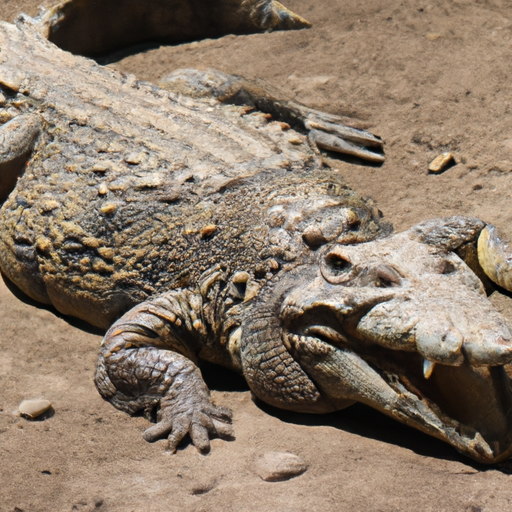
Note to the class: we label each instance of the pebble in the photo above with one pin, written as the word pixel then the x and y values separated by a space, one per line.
pixel 441 163
pixel 279 466
pixel 32 409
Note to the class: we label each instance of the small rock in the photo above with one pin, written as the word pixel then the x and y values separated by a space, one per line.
pixel 441 163
pixel 32 409
pixel 279 466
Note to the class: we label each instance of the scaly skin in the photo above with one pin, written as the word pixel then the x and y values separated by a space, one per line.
pixel 194 230
pixel 112 168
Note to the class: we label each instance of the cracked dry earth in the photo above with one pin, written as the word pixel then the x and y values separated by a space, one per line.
pixel 428 77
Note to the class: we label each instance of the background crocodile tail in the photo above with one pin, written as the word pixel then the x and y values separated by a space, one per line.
pixel 99 27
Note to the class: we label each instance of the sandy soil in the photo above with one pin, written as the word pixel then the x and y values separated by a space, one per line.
pixel 428 77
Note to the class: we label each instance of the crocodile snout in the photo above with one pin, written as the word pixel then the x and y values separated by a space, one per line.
pixel 404 295
pixel 440 343
pixel 406 327
pixel 493 349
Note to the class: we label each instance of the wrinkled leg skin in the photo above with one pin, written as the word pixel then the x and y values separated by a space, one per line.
pixel 144 365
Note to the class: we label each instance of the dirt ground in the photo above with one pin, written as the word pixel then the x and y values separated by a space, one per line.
pixel 428 77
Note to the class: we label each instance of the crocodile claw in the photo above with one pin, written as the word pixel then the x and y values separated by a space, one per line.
pixel 200 421
pixel 327 132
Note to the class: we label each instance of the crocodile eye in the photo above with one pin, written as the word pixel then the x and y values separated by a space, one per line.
pixel 338 264
pixel 354 226
pixel 336 267
pixel 385 283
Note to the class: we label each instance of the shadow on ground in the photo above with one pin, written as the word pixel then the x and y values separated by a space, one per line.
pixel 358 419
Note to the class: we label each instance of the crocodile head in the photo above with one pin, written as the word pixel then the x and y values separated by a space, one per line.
pixel 403 325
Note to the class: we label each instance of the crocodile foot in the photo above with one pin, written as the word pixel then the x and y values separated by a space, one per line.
pixel 325 131
pixel 328 132
pixel 198 417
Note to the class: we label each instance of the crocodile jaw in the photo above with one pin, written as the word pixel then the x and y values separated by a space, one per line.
pixel 366 335
pixel 470 407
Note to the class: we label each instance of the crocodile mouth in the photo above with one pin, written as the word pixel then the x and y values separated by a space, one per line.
pixel 406 328
pixel 469 406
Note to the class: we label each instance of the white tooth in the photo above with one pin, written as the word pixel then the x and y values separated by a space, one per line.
pixel 428 368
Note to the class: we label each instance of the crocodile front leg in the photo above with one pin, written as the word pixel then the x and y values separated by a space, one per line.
pixel 146 363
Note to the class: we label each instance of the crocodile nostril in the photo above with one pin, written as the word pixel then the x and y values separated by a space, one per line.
pixel 336 267
pixel 440 342
pixel 387 277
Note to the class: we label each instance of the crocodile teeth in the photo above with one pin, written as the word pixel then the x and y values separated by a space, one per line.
pixel 428 368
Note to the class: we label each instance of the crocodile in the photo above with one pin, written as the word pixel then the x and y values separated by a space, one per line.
pixel 196 221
